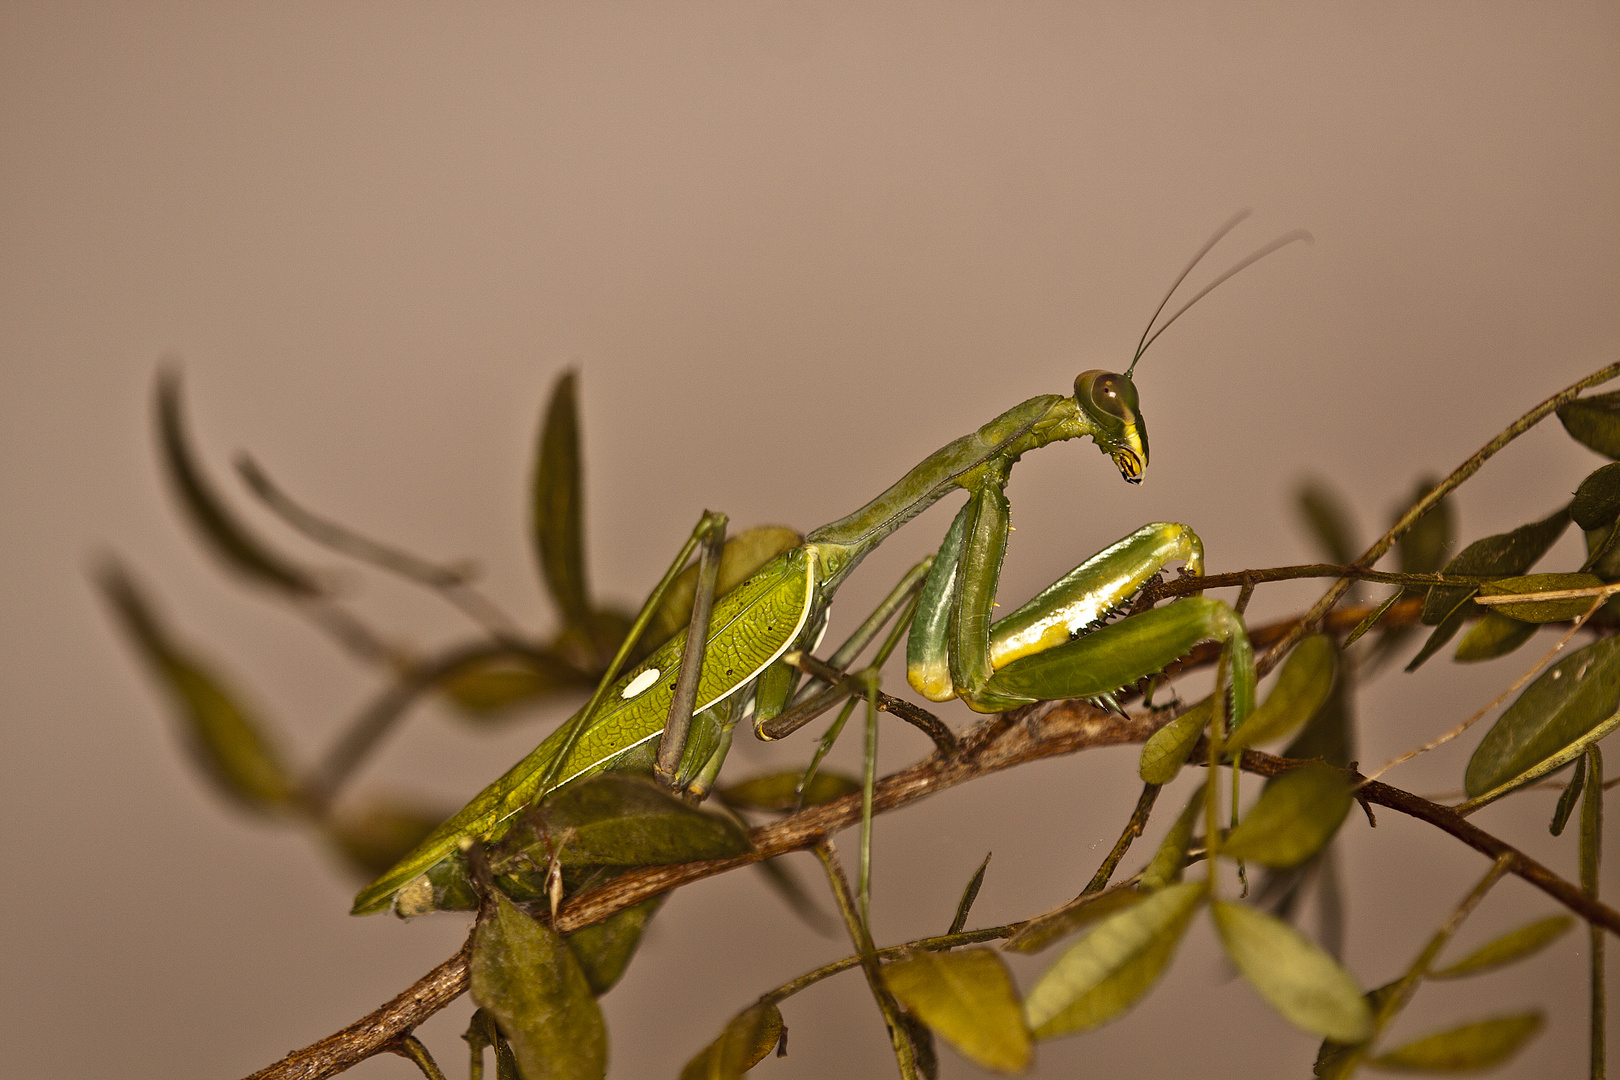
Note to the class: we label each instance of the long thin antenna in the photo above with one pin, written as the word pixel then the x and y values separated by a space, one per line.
pixel 1281 242
pixel 1220 233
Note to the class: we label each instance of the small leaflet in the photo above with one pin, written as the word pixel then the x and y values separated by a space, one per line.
pixel 1299 980
pixel 1296 815
pixel 1510 948
pixel 969 999
pixel 1479 1045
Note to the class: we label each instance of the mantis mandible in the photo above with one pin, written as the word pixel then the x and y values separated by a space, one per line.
pixel 733 649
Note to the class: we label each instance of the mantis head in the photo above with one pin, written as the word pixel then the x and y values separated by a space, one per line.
pixel 1108 400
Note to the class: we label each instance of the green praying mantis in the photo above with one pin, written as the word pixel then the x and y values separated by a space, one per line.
pixel 673 712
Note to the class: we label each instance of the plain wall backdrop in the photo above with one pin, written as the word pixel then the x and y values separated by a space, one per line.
pixel 791 249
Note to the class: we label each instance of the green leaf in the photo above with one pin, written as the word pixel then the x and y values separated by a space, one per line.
pixel 494 686
pixel 1543 611
pixel 1372 618
pixel 604 949
pixel 481 1033
pixel 559 505
pixel 1437 640
pixel 778 791
pixel 1082 911
pixel 1597 500
pixel 1503 555
pixel 751 1035
pixel 969 999
pixel 1479 1045
pixel 1166 750
pixel 1108 970
pixel 1328 519
pixel 228 744
pixel 1302 687
pixel 1327 736
pixel 1594 422
pixel 377 834
pixel 618 820
pixel 529 980
pixel 1171 858
pixel 1508 949
pixel 740 556
pixel 1494 635
pixel 1422 548
pixel 1299 980
pixel 1568 798
pixel 1297 813
pixel 969 894
pixel 237 548
pixel 1567 701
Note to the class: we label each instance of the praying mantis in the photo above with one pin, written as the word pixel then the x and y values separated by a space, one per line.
pixel 682 700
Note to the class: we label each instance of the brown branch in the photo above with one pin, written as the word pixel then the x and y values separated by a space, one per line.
pixel 1043 730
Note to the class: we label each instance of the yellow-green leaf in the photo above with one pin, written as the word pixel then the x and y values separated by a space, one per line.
pixel 558 510
pixel 1299 980
pixel 1509 948
pixel 1166 750
pixel 1108 970
pixel 1542 611
pixel 778 791
pixel 529 980
pixel 1479 1045
pixel 1168 861
pixel 1594 422
pixel 751 1035
pixel 1567 701
pixel 604 949
pixel 228 744
pixel 1296 814
pixel 497 684
pixel 1302 686
pixel 968 998
pixel 1494 635
pixel 1051 927
pixel 230 540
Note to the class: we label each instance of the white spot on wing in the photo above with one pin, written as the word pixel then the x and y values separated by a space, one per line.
pixel 640 683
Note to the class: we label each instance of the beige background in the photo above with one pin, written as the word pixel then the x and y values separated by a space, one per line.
pixel 792 249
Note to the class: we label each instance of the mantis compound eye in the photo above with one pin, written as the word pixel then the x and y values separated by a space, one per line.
pixel 1109 400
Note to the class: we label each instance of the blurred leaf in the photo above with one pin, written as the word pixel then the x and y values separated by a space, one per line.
pixel 1329 521
pixel 1507 949
pixel 482 1032
pixel 529 980
pixel 380 832
pixel 1302 687
pixel 1597 500
pixel 1298 979
pixel 559 505
pixel 1372 618
pixel 777 791
pixel 1602 553
pixel 1502 555
pixel 1542 611
pixel 1422 548
pixel 1437 639
pixel 742 554
pixel 1594 422
pixel 749 1036
pixel 1329 734
pixel 604 949
pixel 1568 700
pixel 778 873
pixel 1568 798
pixel 1473 1046
pixel 969 894
pixel 922 1045
pixel 226 742
pixel 235 546
pixel 1297 813
pixel 1494 635
pixel 968 998
pixel 1337 1060
pixel 497 684
pixel 618 820
pixel 1171 858
pixel 1044 930
pixel 1166 750
pixel 1109 969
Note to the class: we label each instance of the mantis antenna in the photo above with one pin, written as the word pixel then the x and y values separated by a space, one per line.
pixel 1281 242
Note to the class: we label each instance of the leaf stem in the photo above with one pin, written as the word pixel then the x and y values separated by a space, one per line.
pixel 1133 828
pixel 411 1047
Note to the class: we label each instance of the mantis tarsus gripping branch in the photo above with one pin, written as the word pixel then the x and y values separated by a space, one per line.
pixel 729 662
